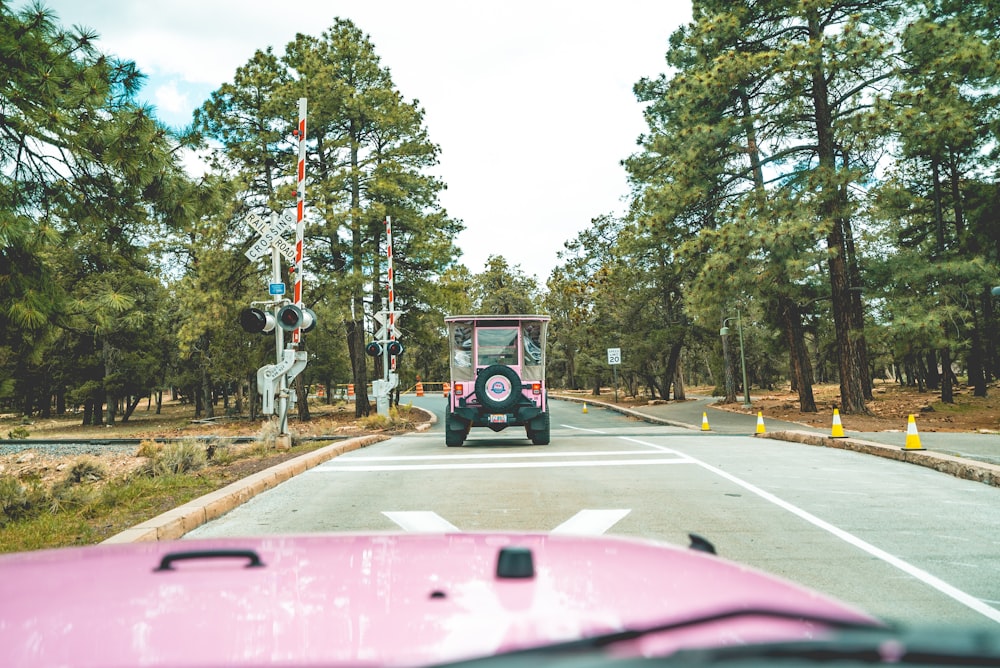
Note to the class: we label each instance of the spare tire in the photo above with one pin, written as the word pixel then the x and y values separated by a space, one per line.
pixel 498 387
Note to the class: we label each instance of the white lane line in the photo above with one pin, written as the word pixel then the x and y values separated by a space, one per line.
pixel 592 431
pixel 345 468
pixel 952 592
pixel 421 521
pixel 505 455
pixel 591 522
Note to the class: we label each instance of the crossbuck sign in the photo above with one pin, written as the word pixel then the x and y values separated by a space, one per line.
pixel 270 236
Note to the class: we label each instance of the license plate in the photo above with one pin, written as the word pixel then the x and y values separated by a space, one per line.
pixel 498 418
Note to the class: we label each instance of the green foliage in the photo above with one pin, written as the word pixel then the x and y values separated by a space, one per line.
pixel 502 290
pixel 810 164
pixel 372 162
pixel 89 176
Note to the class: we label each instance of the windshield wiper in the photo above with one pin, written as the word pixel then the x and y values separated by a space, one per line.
pixel 604 640
pixel 912 647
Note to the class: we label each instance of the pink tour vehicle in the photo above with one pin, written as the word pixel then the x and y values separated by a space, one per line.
pixel 497 375
pixel 395 599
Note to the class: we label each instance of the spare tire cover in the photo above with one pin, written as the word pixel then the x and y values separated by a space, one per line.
pixel 498 387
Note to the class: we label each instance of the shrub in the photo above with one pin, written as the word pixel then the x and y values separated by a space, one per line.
pixel 175 458
pixel 86 469
pixel 18 502
pixel 267 437
pixel 375 421
pixel 398 418
pixel 19 433
pixel 68 496
pixel 148 449
pixel 220 452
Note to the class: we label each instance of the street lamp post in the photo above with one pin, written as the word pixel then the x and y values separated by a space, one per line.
pixel 743 360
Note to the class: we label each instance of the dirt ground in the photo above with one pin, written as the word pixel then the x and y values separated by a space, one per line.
pixel 889 410
pixel 176 420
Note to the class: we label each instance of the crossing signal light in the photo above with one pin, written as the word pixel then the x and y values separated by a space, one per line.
pixel 394 348
pixel 292 317
pixel 374 349
pixel 256 321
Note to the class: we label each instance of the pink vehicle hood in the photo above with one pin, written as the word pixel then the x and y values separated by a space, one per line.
pixel 374 599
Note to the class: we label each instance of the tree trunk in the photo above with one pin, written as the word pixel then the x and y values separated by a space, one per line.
pixel 947 396
pixel 931 374
pixel 302 398
pixel 833 210
pixel 730 376
pixel 679 394
pixel 253 397
pixel 857 307
pixel 356 349
pixel 206 391
pixel 798 354
pixel 130 408
pixel 991 361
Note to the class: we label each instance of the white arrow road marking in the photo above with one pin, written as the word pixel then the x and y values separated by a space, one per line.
pixel 421 521
pixel 584 523
pixel 591 522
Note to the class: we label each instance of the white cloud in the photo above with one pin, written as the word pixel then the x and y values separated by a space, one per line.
pixel 169 99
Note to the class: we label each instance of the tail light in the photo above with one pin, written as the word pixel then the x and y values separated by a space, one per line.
pixel 536 388
pixel 459 389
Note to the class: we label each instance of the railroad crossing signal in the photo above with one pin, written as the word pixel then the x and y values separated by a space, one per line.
pixel 291 317
pixel 270 235
pixel 255 320
pixel 384 333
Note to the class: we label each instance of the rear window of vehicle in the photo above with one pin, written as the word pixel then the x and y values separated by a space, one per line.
pixel 496 346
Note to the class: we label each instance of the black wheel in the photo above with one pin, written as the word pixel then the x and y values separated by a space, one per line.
pixel 453 437
pixel 540 436
pixel 498 387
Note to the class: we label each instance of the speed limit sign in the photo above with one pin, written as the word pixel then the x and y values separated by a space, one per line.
pixel 614 356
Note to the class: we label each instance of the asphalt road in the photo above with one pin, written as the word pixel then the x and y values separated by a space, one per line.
pixel 905 543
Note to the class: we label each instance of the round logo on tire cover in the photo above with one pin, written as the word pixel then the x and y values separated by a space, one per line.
pixel 498 387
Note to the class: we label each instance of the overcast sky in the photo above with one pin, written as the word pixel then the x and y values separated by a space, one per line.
pixel 530 101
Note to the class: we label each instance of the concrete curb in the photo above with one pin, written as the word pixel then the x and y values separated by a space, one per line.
pixel 966 469
pixel 431 418
pixel 173 524
pixel 628 411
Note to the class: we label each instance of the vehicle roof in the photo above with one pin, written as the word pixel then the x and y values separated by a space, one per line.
pixel 372 599
pixel 493 317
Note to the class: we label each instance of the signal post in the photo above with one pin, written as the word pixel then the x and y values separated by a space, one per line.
pixel 278 314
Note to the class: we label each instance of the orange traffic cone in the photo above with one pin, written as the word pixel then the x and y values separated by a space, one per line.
pixel 760 422
pixel 445 389
pixel 350 389
pixel 838 429
pixel 420 389
pixel 912 437
pixel 704 422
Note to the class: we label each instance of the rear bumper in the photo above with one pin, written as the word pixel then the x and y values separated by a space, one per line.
pixel 464 417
